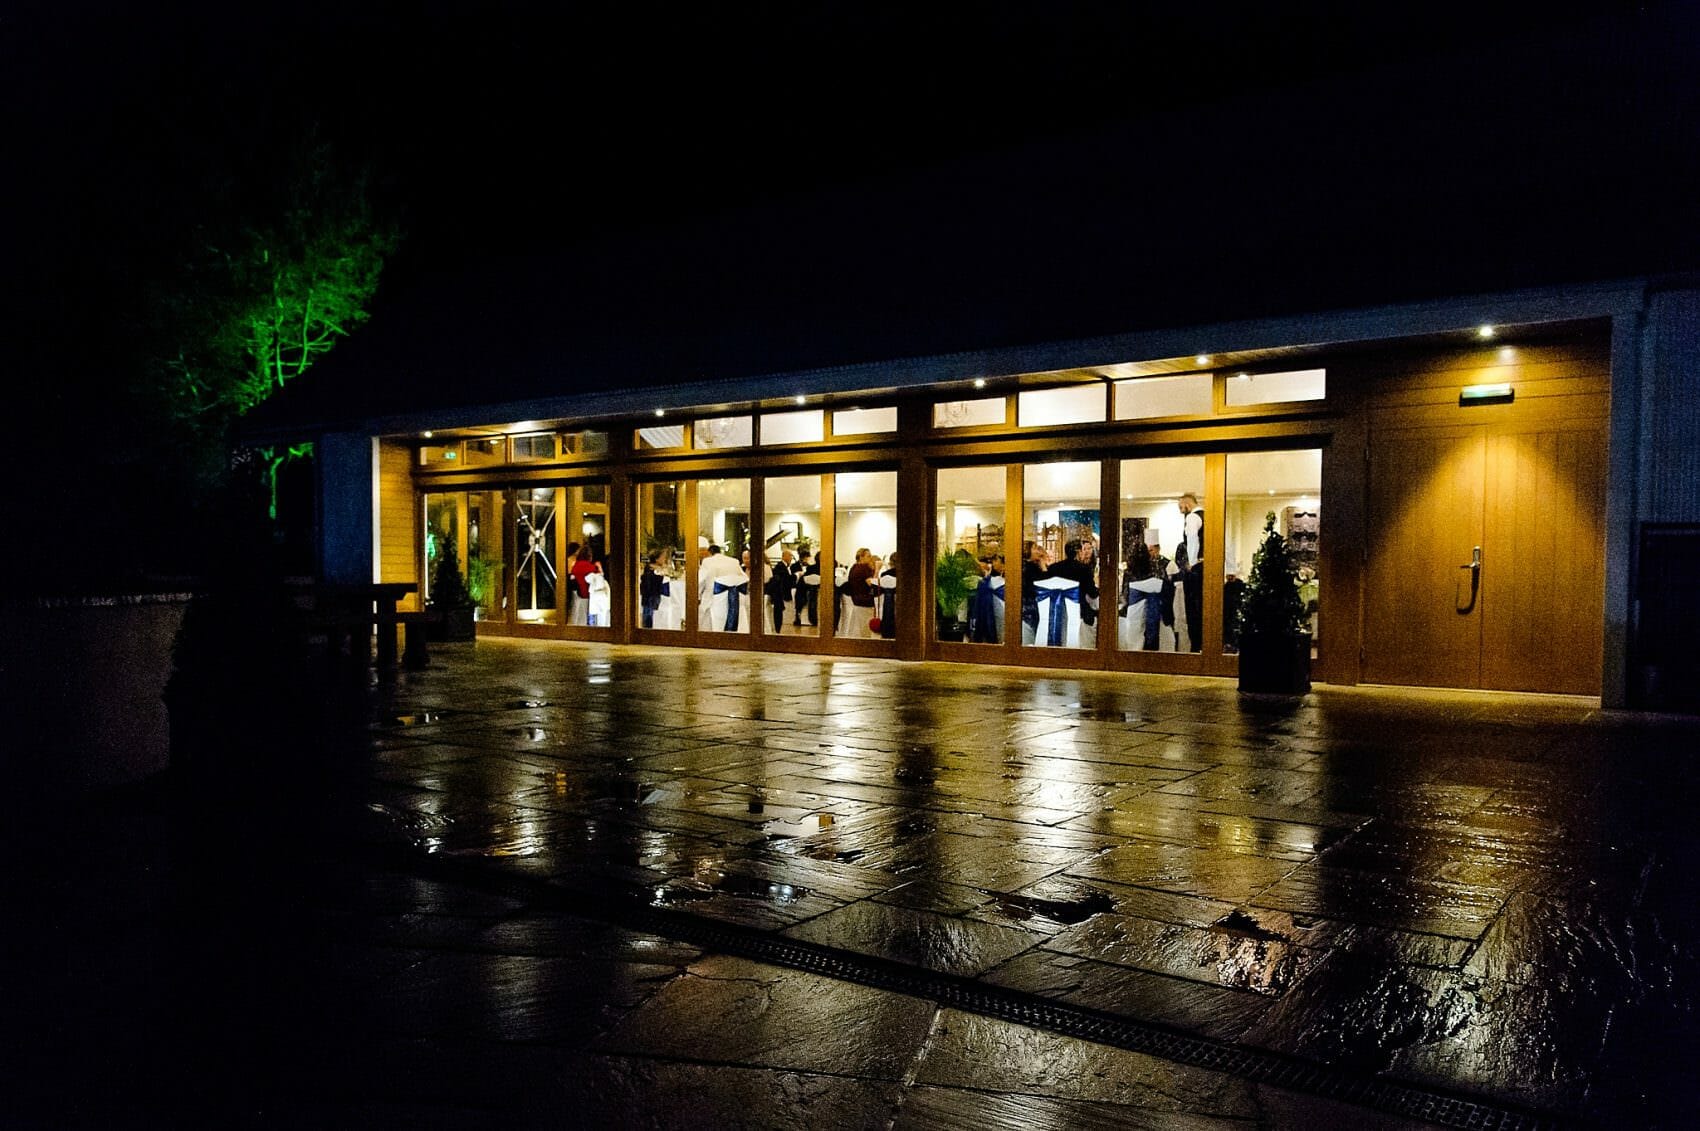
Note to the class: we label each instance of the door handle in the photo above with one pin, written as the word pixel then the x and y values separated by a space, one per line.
pixel 1474 565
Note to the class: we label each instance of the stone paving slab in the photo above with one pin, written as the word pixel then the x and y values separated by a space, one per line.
pixel 1487 894
pixel 1418 831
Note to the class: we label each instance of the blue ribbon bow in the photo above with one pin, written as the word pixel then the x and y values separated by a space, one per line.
pixel 732 592
pixel 1059 613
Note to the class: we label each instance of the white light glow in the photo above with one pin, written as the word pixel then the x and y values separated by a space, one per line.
pixel 979 382
pixel 1202 359
pixel 1485 331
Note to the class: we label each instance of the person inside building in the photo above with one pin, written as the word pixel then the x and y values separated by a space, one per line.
pixel 859 585
pixel 715 568
pixel 808 588
pixel 1189 566
pixel 888 598
pixel 985 615
pixel 580 566
pixel 1074 568
pixel 779 588
pixel 1142 600
pixel 1035 561
pixel 652 585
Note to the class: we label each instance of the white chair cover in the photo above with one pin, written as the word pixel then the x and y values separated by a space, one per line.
pixel 1059 613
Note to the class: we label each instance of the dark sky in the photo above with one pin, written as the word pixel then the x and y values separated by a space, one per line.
pixel 503 125
pixel 505 129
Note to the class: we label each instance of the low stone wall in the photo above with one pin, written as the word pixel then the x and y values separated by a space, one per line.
pixel 81 690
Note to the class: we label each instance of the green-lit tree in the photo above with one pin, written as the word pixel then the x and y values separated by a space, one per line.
pixel 261 299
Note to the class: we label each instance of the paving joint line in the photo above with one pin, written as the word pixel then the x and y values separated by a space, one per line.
pixel 614 905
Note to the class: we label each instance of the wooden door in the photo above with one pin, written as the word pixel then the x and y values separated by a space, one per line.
pixel 1426 493
pixel 1543 573
pixel 1531 495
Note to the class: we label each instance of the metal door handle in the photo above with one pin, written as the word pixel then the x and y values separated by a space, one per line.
pixel 1474 565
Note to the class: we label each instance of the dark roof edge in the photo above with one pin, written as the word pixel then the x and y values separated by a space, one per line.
pixel 1547 304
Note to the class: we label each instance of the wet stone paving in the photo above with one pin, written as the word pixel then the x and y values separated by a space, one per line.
pixel 1485 895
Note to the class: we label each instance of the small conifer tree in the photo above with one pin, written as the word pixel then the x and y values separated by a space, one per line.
pixel 448 587
pixel 1271 609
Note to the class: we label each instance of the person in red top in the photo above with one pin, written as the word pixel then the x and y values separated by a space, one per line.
pixel 860 586
pixel 581 566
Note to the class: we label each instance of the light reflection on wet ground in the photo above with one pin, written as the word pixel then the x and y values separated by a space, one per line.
pixel 1488 894
pixel 1452 887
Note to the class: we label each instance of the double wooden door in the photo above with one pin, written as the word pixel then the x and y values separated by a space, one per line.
pixel 1486 556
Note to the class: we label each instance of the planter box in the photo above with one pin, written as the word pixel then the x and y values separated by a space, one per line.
pixel 1275 667
pixel 451 626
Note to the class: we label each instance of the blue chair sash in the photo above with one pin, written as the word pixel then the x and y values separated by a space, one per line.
pixel 986 612
pixel 1057 631
pixel 732 602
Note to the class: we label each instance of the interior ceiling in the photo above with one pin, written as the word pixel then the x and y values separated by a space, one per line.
pixel 995 384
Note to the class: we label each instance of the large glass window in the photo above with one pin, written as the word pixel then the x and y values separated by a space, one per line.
pixel 804 427
pixel 861 421
pixel 723 550
pixel 723 432
pixel 1159 604
pixel 1287 485
pixel 791 579
pixel 1059 571
pixel 661 546
pixel 538 547
pixel 968 577
pixel 1272 388
pixel 969 414
pixel 1145 398
pixel 589 586
pixel 865 552
pixel 661 437
pixel 1071 404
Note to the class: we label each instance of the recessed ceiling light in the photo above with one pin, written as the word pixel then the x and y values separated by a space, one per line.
pixel 1202 359
pixel 427 434
pixel 1245 376
pixel 1485 331
pixel 660 412
pixel 979 382
pixel 801 399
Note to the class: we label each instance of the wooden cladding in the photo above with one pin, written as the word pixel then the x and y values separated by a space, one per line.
pixel 399 518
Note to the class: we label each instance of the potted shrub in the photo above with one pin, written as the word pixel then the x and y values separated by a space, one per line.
pixel 1274 638
pixel 954 579
pixel 450 598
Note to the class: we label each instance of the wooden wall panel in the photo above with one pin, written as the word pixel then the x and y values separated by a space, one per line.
pixel 399 520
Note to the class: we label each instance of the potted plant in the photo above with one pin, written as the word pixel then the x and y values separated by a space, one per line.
pixel 1274 638
pixel 954 579
pixel 450 598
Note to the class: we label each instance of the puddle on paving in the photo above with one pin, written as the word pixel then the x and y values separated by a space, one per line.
pixel 694 888
pixel 1237 922
pixel 914 774
pixel 532 734
pixel 423 718
pixel 525 704
pixel 1070 911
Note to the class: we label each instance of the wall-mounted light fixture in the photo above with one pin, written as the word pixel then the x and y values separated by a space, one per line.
pixel 1485 394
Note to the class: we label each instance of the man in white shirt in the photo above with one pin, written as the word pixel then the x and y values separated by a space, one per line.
pixel 1189 558
pixel 715 567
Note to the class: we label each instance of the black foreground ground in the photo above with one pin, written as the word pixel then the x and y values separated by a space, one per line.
pixel 1488 896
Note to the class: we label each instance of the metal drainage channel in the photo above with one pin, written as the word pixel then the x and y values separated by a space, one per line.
pixel 617 907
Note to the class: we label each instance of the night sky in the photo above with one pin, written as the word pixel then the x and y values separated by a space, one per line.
pixel 552 134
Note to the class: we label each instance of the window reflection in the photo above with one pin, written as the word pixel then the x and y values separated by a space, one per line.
pixel 1160 603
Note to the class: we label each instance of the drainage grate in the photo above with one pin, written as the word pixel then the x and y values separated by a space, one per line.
pixel 616 906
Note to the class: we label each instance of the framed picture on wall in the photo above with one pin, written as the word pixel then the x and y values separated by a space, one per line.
pixel 787 534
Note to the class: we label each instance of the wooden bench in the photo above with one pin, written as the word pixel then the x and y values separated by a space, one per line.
pixel 347 613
